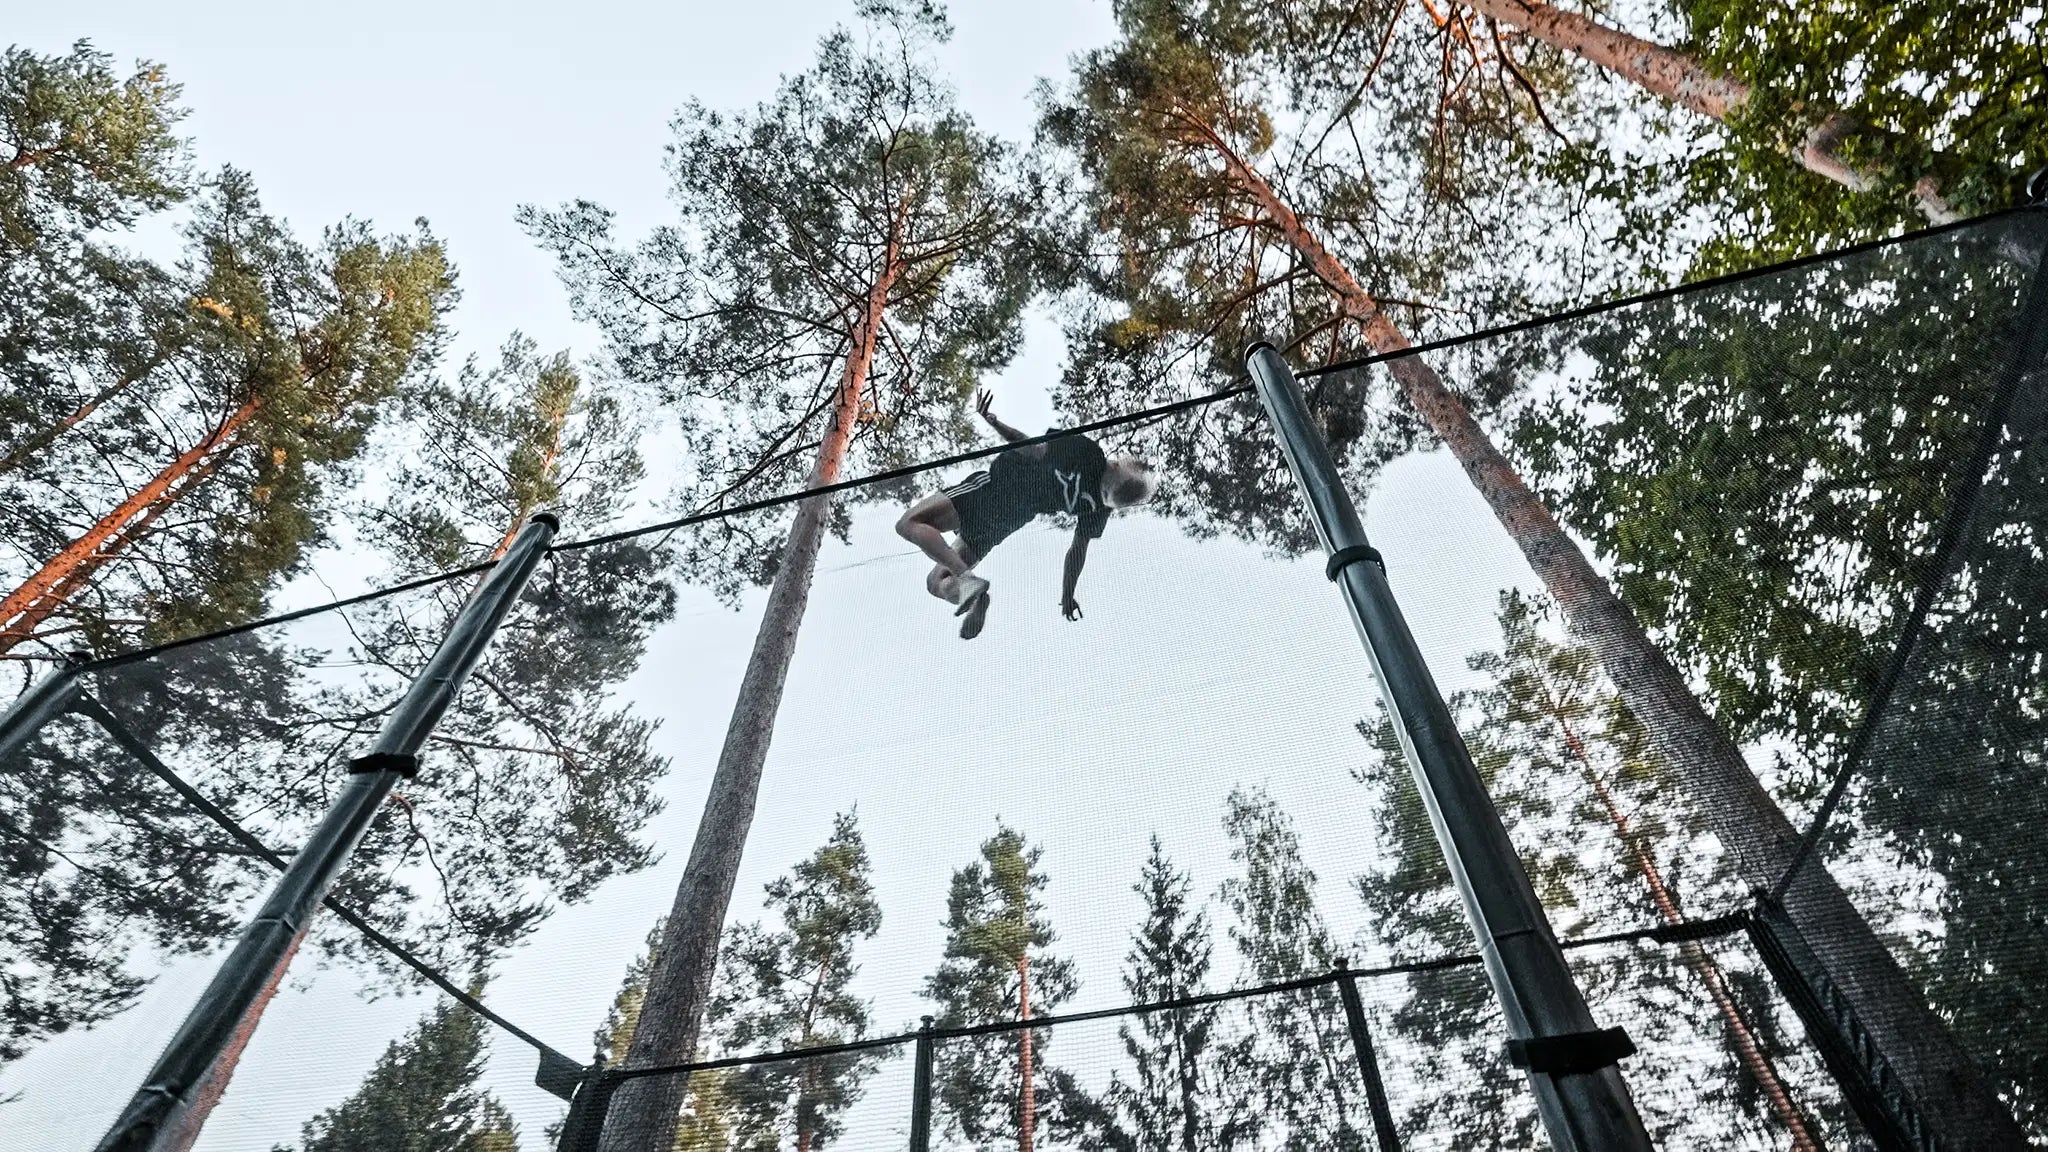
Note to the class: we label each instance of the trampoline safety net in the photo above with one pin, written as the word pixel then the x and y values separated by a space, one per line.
pixel 1158 877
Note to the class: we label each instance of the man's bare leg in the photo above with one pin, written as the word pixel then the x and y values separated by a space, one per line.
pixel 926 525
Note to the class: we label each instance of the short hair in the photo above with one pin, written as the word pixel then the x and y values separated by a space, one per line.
pixel 1135 484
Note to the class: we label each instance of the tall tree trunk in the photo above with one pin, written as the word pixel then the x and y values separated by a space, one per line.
pixel 31 618
pixel 1679 78
pixel 1027 1092
pixel 1940 1077
pixel 68 570
pixel 644 1112
pixel 1747 1049
pixel 19 455
pixel 1190 1114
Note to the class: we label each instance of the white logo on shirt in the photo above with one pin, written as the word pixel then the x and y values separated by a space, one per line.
pixel 1070 491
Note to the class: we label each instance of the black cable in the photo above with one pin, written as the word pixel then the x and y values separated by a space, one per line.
pixel 2032 327
pixel 90 707
pixel 1095 426
pixel 1154 413
pixel 1663 933
pixel 1666 293
pixel 886 475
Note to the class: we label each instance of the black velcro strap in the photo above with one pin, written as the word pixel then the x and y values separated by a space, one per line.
pixel 403 763
pixel 1571 1053
pixel 1344 558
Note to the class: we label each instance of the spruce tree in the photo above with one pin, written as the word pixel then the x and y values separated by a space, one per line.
pixel 997 967
pixel 847 264
pixel 1296 1042
pixel 1177 1095
pixel 421 1096
pixel 790 987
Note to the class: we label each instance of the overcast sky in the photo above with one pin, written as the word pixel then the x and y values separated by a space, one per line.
pixel 1198 667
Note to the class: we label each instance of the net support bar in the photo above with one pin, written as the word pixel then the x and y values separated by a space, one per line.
pixel 1571 1063
pixel 1368 1063
pixel 166 1112
pixel 921 1091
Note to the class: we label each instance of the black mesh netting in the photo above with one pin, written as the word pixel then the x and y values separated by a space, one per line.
pixel 1820 491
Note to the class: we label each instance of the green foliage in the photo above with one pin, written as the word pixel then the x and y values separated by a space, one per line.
pixel 1296 1047
pixel 1178 1095
pixel 1765 465
pixel 535 788
pixel 276 353
pixel 1603 831
pixel 88 148
pixel 997 941
pixel 858 175
pixel 1953 93
pixel 1178 265
pixel 789 988
pixel 421 1096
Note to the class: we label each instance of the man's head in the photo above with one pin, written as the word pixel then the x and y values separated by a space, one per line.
pixel 1129 482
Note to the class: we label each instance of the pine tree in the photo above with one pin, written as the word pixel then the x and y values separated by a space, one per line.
pixel 789 988
pixel 997 968
pixel 1612 844
pixel 1308 1082
pixel 421 1096
pixel 536 786
pixel 1177 1096
pixel 1173 104
pixel 267 388
pixel 93 153
pixel 847 265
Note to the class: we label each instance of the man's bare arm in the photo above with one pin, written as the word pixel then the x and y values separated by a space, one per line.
pixel 982 402
pixel 1070 576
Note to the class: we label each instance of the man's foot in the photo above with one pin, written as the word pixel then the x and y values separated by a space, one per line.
pixel 977 615
pixel 965 590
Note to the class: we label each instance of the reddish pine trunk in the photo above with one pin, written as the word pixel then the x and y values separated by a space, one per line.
pixel 1678 78
pixel 1937 1073
pixel 1739 1031
pixel 1027 1094
pixel 67 571
pixel 215 1085
pixel 644 1111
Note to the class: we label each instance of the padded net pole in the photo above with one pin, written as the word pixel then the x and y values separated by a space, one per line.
pixel 1570 1061
pixel 166 1112
pixel 44 701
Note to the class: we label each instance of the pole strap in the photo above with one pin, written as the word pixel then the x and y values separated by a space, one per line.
pixel 1344 558
pixel 404 763
pixel 1571 1053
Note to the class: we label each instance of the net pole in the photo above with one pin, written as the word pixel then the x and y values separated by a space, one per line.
pixel 921 1091
pixel 1368 1063
pixel 166 1111
pixel 45 700
pixel 1572 1064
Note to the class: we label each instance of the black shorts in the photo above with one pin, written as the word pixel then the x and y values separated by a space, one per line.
pixel 988 512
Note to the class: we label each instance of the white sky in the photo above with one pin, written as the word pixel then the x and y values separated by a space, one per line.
pixel 1197 667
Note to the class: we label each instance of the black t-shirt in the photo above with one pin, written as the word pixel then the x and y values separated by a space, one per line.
pixel 1066 479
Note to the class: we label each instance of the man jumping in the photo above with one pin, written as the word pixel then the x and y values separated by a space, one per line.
pixel 1068 475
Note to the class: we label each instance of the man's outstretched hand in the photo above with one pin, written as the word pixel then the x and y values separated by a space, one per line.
pixel 1070 608
pixel 982 400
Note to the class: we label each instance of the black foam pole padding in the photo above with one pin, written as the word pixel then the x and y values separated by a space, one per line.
pixel 1344 558
pixel 1571 1053
pixel 406 764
